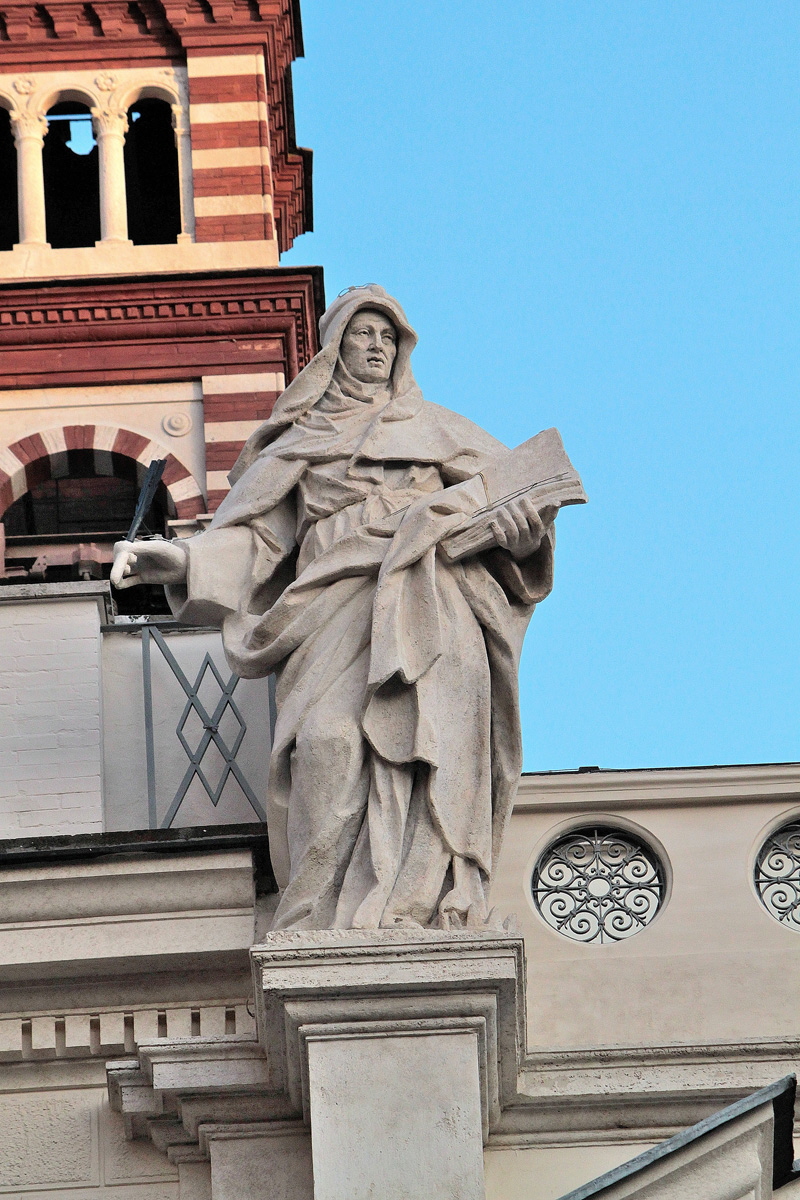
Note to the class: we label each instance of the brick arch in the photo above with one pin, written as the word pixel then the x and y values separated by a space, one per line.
pixel 45 455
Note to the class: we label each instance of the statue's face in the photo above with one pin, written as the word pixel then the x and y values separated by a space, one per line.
pixel 369 346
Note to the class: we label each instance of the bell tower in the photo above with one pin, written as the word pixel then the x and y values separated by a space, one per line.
pixel 149 181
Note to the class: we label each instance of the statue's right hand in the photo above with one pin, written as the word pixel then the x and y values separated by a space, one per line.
pixel 148 562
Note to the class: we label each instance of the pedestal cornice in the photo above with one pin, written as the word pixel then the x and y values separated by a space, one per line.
pixel 316 984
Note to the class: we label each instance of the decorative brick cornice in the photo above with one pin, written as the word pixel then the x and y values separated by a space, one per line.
pixel 158 328
pixel 61 32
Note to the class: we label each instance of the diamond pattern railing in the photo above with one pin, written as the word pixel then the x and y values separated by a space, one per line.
pixel 211 735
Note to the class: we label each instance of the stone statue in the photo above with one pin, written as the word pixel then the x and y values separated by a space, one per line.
pixel 397 748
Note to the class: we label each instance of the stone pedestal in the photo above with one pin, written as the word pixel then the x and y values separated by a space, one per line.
pixel 399 1048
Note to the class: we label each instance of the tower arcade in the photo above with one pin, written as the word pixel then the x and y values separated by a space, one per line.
pixel 149 181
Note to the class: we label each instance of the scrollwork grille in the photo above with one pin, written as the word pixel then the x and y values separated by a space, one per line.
pixel 777 875
pixel 598 885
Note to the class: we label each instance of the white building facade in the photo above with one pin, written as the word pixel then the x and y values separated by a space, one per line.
pixel 639 981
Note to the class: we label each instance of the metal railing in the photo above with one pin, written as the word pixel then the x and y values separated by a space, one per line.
pixel 210 721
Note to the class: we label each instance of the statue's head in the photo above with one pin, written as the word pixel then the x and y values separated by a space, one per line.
pixel 369 346
pixel 367 332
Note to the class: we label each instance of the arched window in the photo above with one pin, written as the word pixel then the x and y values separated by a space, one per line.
pixel 9 225
pixel 77 506
pixel 71 177
pixel 65 528
pixel 84 503
pixel 151 174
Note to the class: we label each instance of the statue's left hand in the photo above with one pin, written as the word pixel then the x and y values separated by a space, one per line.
pixel 519 527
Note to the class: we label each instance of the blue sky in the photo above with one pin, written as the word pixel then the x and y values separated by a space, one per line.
pixel 590 213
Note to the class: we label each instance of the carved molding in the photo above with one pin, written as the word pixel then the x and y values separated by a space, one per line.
pixel 104 330
pixel 180 122
pixel 109 122
pixel 27 124
pixel 601 791
pixel 58 316
pixel 50 1036
pixel 177 424
pixel 110 94
pixel 195 306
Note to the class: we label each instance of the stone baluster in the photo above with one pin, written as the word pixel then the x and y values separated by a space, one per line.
pixel 110 127
pixel 183 143
pixel 29 130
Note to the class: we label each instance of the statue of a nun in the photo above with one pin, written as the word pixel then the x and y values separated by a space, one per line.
pixel 397 749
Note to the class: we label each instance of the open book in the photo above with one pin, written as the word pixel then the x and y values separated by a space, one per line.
pixel 539 468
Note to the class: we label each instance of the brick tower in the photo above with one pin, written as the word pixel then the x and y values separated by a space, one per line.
pixel 149 181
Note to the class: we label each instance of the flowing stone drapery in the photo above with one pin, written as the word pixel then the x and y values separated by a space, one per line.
pixel 397 748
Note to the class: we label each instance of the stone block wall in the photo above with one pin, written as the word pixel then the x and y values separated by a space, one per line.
pixel 50 710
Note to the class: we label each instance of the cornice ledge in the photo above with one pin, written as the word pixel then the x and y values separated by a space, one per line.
pixel 670 787
pixel 748 1050
pixel 607 1116
pixel 178 1089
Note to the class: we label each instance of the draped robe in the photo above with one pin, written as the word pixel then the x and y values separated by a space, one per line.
pixel 397 748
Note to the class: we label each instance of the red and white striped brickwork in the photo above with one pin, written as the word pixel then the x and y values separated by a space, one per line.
pixel 231 165
pixel 234 407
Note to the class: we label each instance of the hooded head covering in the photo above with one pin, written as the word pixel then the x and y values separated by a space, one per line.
pixel 315 379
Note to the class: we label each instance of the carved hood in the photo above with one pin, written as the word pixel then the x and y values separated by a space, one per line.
pixel 313 381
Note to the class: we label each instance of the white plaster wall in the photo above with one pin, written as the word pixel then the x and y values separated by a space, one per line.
pixel 714 966
pixel 547 1172
pixel 50 712
pixel 124 732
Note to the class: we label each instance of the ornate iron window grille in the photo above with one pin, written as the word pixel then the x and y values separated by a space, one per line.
pixel 777 875
pixel 598 885
pixel 210 736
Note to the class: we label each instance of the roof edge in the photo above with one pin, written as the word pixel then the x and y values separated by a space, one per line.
pixel 781 1094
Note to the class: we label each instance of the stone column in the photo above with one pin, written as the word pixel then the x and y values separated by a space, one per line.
pixel 400 1048
pixel 183 143
pixel 29 131
pixel 110 127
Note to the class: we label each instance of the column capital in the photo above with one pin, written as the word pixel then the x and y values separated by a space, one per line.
pixel 25 124
pixel 109 122
pixel 180 122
